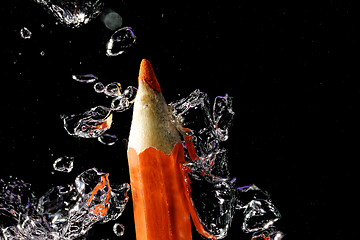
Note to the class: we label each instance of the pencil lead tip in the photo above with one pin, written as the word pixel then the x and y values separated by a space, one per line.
pixel 147 74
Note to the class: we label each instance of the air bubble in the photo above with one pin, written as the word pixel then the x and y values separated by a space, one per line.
pixel 91 124
pixel 85 78
pixel 25 33
pixel 120 41
pixel 118 229
pixel 108 139
pixel 64 164
pixel 99 87
pixel 120 104
pixel 113 89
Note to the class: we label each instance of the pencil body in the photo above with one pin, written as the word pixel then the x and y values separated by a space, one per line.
pixel 160 207
pixel 155 152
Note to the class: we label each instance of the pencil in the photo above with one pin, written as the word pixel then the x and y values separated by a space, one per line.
pixel 161 196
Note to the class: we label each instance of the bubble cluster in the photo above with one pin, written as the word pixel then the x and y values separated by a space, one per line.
pixel 73 13
pixel 64 212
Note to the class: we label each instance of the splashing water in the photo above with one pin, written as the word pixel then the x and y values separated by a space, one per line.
pixel 204 128
pixel 90 124
pixel 96 121
pixel 214 194
pixel 64 164
pixel 213 191
pixel 120 41
pixel 73 13
pixel 63 212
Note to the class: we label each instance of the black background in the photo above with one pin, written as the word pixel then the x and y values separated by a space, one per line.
pixel 288 66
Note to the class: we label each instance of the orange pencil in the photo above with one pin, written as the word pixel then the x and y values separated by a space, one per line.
pixel 161 198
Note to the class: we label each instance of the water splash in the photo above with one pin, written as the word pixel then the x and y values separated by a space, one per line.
pixel 90 124
pixel 63 212
pixel 204 128
pixel 214 194
pixel 73 13
pixel 96 121
pixel 120 41
pixel 25 33
pixel 64 164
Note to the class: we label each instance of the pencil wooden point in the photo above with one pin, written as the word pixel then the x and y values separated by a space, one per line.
pixel 147 74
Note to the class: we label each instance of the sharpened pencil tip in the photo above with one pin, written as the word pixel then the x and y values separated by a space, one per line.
pixel 147 74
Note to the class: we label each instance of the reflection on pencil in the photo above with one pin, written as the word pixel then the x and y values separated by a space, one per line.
pixel 161 196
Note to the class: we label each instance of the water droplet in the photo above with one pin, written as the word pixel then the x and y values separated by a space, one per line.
pixel 118 229
pixel 130 93
pixel 108 139
pixel 99 87
pixel 64 164
pixel 120 41
pixel 111 19
pixel 120 104
pixel 90 124
pixel 42 53
pixel 113 89
pixel 85 78
pixel 73 13
pixel 25 33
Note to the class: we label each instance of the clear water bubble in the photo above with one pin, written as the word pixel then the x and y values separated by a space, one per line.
pixel 64 212
pixel 111 19
pixel 99 87
pixel 223 116
pixel 130 93
pixel 113 89
pixel 108 139
pixel 91 124
pixel 85 78
pixel 120 41
pixel 120 104
pixel 73 13
pixel 118 229
pixel 64 164
pixel 25 33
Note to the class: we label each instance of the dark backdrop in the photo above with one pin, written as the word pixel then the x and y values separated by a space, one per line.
pixel 287 65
